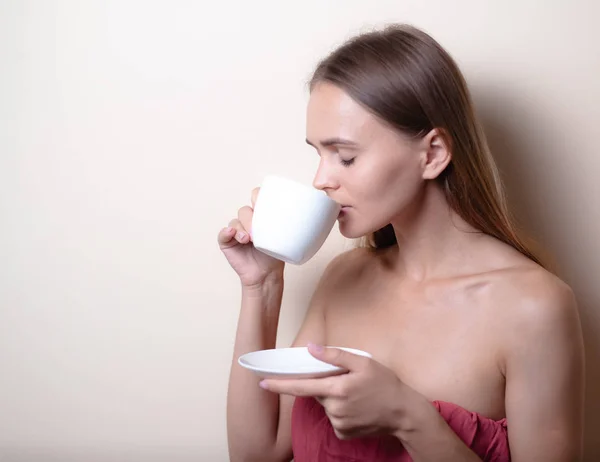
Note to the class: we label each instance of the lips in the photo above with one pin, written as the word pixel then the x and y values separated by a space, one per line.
pixel 344 209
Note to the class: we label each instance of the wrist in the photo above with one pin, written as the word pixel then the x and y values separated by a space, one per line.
pixel 419 416
pixel 271 284
pixel 436 441
pixel 426 436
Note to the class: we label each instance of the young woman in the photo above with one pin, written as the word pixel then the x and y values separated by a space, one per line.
pixel 475 345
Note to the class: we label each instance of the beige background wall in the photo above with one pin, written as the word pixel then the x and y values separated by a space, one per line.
pixel 130 132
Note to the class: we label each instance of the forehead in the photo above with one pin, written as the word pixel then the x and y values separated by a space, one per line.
pixel 331 112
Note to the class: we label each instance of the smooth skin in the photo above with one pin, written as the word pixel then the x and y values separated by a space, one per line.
pixel 449 314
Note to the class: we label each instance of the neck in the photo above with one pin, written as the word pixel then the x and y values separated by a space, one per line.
pixel 433 240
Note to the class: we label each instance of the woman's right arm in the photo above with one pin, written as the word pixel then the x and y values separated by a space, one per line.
pixel 259 422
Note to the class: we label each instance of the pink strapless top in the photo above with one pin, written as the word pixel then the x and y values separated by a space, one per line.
pixel 313 438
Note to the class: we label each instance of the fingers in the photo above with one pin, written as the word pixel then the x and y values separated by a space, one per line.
pixel 226 237
pixel 233 234
pixel 299 388
pixel 239 230
pixel 245 215
pixel 337 357
pixel 241 234
pixel 254 196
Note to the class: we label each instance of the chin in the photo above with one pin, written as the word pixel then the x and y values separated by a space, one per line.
pixel 353 228
pixel 351 232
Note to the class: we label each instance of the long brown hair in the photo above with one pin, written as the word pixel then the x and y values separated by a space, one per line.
pixel 403 76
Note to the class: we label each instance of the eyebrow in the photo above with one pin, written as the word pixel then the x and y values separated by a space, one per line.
pixel 333 141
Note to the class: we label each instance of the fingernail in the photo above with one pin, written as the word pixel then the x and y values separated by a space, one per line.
pixel 316 348
pixel 229 229
pixel 262 384
pixel 241 235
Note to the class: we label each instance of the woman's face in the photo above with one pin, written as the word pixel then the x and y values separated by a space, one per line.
pixel 372 170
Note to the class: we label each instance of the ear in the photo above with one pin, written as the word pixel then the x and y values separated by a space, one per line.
pixel 437 154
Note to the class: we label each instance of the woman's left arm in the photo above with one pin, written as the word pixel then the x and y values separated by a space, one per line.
pixel 545 380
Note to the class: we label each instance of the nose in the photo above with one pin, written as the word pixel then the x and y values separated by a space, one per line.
pixel 325 179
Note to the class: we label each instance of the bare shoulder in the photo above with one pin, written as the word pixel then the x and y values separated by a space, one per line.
pixel 535 309
pixel 533 295
pixel 520 290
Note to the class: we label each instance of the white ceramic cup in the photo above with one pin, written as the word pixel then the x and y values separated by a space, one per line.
pixel 291 221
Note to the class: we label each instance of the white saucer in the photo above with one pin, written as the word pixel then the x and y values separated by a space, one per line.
pixel 291 363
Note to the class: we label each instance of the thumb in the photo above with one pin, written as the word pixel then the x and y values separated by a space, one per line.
pixel 338 357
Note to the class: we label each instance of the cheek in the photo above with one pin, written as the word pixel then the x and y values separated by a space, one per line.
pixel 402 189
pixel 380 191
pixel 391 186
